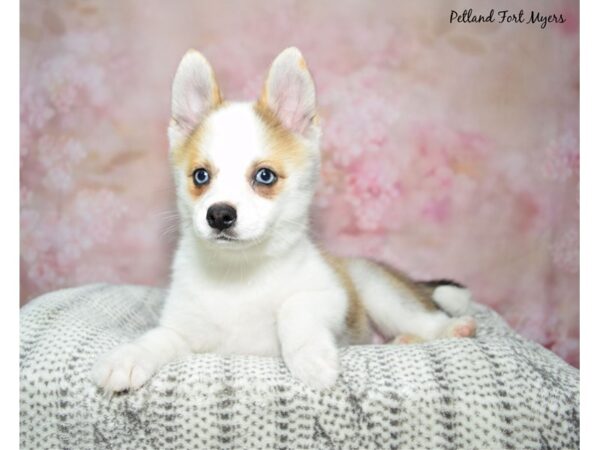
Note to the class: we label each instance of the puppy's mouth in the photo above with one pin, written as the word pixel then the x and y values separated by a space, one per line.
pixel 225 238
pixel 231 240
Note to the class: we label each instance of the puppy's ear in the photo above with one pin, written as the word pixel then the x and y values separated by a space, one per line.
pixel 289 92
pixel 195 92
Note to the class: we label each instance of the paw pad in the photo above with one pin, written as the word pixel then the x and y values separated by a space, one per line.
pixel 463 327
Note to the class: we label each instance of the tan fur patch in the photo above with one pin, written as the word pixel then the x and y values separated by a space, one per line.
pixel 406 284
pixel 189 157
pixel 198 191
pixel 356 317
pixel 284 146
pixel 284 153
pixel 263 190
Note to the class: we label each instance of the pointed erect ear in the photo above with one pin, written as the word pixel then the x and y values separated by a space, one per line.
pixel 289 91
pixel 195 92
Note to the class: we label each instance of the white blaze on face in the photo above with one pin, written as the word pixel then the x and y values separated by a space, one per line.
pixel 234 141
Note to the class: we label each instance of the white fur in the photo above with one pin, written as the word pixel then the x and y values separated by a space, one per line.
pixel 270 292
pixel 452 299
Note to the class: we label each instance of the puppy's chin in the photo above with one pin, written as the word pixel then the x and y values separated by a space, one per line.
pixel 227 240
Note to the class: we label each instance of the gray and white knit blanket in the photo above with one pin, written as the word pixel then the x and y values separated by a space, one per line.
pixel 497 391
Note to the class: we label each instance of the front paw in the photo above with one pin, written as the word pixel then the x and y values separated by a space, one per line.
pixel 128 366
pixel 315 364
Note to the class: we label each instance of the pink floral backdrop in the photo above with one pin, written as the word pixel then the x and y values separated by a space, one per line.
pixel 449 150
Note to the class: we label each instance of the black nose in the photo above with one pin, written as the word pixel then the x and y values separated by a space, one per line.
pixel 221 216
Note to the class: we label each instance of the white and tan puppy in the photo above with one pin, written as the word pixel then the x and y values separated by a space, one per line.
pixel 246 278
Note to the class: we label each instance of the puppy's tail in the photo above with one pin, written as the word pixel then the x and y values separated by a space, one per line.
pixel 448 295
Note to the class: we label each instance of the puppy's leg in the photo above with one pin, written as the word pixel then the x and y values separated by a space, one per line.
pixel 307 324
pixel 410 311
pixel 130 365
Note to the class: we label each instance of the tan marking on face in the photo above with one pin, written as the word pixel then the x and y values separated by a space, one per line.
pixel 404 283
pixel 357 320
pixel 285 153
pixel 197 191
pixel 188 157
pixel 283 145
pixel 265 191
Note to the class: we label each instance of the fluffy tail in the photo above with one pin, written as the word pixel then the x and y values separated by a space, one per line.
pixel 449 295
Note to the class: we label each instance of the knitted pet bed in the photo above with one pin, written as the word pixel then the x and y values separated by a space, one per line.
pixel 495 391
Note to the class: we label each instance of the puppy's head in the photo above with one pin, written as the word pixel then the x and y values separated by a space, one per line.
pixel 245 172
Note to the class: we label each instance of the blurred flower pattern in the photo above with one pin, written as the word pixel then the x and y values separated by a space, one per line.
pixel 449 150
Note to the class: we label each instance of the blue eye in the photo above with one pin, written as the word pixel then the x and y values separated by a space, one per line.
pixel 200 177
pixel 265 176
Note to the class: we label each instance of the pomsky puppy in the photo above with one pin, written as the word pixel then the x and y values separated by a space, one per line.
pixel 246 278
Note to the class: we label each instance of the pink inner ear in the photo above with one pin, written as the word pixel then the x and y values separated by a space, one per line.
pixel 287 108
pixel 193 106
pixel 195 92
pixel 196 105
pixel 292 100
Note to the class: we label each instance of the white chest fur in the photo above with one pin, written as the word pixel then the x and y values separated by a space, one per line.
pixel 235 307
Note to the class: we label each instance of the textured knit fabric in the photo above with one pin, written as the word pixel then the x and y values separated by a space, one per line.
pixel 492 392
